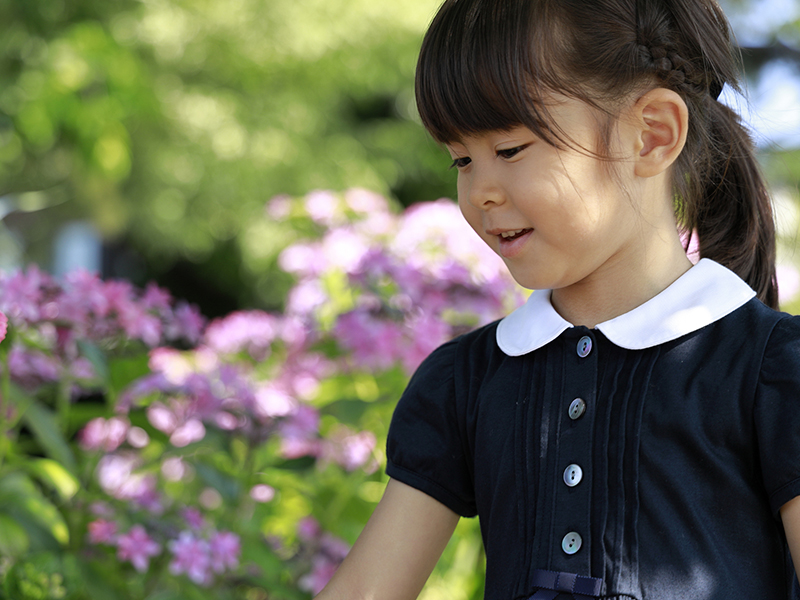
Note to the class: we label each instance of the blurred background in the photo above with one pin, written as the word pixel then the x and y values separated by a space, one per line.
pixel 252 158
pixel 143 138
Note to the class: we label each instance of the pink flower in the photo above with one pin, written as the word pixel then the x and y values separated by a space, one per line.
pixel 102 434
pixel 191 556
pixel 3 326
pixel 323 207
pixel 788 282
pixel 279 207
pixel 262 493
pixel 102 532
pixel 22 294
pixel 225 550
pixel 250 331
pixel 137 547
pixel 188 433
pixel 365 202
pixel 357 450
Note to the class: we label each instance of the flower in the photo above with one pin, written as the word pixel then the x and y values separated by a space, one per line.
pixel 102 531
pixel 192 557
pixel 104 434
pixel 3 326
pixel 137 547
pixel 251 331
pixel 225 550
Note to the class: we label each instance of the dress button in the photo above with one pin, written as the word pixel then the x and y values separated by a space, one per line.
pixel 571 543
pixel 573 475
pixel 584 346
pixel 576 409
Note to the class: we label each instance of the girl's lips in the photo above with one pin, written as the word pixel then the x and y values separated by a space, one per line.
pixel 511 246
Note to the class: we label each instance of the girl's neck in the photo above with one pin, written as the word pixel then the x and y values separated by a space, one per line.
pixel 622 285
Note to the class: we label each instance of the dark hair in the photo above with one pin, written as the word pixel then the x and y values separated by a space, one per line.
pixel 488 65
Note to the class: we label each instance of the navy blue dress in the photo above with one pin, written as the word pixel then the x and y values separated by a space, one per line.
pixel 604 471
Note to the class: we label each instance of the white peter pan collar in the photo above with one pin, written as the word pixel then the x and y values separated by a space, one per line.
pixel 704 294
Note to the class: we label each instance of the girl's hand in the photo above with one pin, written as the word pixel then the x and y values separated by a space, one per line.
pixel 396 552
pixel 790 515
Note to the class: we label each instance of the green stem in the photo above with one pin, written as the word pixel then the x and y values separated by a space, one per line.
pixel 63 403
pixel 5 404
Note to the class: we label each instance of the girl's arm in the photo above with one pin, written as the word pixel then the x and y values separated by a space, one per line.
pixel 790 515
pixel 396 552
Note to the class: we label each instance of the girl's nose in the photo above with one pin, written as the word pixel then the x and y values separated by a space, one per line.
pixel 484 190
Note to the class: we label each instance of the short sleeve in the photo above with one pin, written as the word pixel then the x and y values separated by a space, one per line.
pixel 777 413
pixel 426 448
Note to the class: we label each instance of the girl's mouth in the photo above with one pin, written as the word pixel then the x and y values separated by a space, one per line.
pixel 512 235
pixel 511 242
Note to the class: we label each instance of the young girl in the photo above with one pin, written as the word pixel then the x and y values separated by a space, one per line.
pixel 633 431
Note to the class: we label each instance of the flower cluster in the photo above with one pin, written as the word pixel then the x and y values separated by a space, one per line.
pixel 200 555
pixel 265 412
pixel 324 551
pixel 413 280
pixel 51 317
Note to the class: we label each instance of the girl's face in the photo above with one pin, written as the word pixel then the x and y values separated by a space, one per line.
pixel 556 217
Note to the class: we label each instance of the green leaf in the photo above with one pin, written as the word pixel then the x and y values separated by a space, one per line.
pixel 124 371
pixel 20 497
pixel 14 540
pixel 42 422
pixel 95 356
pixel 55 476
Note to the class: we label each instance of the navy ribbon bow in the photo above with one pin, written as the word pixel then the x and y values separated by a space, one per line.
pixel 553 583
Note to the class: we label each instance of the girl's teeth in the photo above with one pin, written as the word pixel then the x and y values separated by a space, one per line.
pixel 510 234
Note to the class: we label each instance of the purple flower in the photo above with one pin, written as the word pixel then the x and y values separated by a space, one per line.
pixel 193 517
pixel 225 550
pixel 191 556
pixel 300 433
pixel 323 569
pixel 137 547
pixel 186 324
pixel 374 343
pixel 308 529
pixel 102 532
pixel 31 368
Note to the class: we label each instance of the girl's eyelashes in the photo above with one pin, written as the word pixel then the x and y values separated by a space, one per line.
pixel 460 163
pixel 505 153
pixel 511 152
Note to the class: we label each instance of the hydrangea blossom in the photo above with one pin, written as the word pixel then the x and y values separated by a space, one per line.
pixel 137 547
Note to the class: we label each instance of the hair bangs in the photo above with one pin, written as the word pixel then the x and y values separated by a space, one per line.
pixel 476 73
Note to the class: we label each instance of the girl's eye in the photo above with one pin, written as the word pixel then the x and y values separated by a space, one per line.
pixel 460 163
pixel 511 152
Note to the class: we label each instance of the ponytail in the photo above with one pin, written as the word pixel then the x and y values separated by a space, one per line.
pixel 732 213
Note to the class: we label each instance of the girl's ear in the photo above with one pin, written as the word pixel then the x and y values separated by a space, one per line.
pixel 662 120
